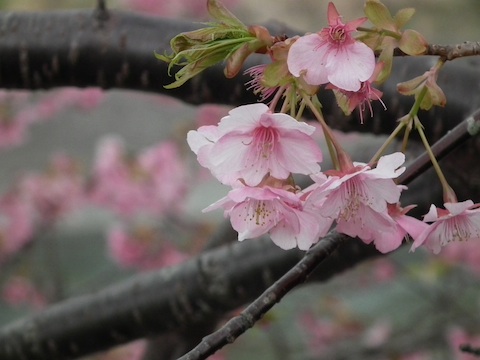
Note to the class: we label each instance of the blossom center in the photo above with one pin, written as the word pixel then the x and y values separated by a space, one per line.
pixel 259 212
pixel 354 197
pixel 459 232
pixel 337 34
pixel 264 141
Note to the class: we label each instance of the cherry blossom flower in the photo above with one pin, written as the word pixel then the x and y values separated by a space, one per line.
pixel 252 142
pixel 332 55
pixel 404 226
pixel 349 100
pixel 358 197
pixel 457 222
pixel 256 211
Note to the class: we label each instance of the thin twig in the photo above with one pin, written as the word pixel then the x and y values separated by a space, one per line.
pixel 458 135
pixel 247 318
pixel 469 349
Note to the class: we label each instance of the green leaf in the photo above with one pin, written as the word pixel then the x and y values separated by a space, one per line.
pixel 219 12
pixel 403 16
pixel 379 15
pixel 413 43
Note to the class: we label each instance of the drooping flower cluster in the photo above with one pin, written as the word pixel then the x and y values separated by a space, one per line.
pixel 256 152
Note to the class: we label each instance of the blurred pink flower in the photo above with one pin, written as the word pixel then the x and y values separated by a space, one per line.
pixel 459 222
pixel 252 142
pixel 58 191
pixel 142 248
pixel 19 110
pixel 383 270
pixel 324 332
pixel 153 181
pixel 131 351
pixel 14 119
pixel 19 291
pixel 465 254
pixel 458 337
pixel 17 224
pixel 210 114
pixel 332 55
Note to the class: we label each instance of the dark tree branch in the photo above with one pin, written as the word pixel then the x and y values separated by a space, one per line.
pixel 182 297
pixel 253 312
pixel 75 48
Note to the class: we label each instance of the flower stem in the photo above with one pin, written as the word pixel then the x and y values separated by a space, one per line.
pixel 448 193
pixel 338 155
pixel 387 143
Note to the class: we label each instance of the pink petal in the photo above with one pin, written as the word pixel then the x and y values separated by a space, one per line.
pixel 459 207
pixel 350 65
pixel 388 166
pixel 307 54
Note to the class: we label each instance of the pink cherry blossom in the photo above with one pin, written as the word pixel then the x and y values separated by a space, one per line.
pixel 256 211
pixel 349 100
pixel 459 222
pixel 252 142
pixel 404 226
pixel 332 55
pixel 357 198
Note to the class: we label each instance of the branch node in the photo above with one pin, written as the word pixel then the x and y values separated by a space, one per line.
pixel 101 12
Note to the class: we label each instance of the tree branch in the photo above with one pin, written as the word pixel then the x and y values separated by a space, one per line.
pixel 77 48
pixel 211 284
pixel 248 317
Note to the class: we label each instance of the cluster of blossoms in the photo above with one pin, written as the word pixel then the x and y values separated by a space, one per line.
pixel 257 151
pixel 151 181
